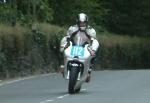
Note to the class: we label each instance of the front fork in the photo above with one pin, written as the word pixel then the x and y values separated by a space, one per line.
pixel 68 74
pixel 78 65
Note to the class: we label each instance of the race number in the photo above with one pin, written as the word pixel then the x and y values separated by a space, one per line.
pixel 77 51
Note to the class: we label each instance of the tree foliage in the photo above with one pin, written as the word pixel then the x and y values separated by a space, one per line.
pixel 128 16
pixel 118 16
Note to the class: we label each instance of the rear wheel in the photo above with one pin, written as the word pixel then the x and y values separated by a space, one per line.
pixel 73 80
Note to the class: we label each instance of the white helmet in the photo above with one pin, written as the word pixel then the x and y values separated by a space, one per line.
pixel 82 21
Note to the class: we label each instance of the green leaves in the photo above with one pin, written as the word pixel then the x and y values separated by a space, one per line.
pixel 130 17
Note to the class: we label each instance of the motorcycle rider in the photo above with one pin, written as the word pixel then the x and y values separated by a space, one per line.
pixel 86 30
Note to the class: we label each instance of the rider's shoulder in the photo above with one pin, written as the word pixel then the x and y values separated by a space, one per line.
pixel 73 27
pixel 91 29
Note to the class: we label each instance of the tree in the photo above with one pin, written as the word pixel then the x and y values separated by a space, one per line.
pixel 128 16
pixel 65 12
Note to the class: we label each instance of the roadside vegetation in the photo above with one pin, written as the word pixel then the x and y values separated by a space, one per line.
pixel 31 30
pixel 26 51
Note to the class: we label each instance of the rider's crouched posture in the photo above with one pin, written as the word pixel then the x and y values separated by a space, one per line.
pixel 87 32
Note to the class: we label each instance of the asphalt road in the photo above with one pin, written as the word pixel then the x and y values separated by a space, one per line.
pixel 129 86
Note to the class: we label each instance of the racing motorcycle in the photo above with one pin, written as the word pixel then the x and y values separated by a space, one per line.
pixel 77 62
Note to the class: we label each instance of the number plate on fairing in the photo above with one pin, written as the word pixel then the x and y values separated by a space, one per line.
pixel 77 51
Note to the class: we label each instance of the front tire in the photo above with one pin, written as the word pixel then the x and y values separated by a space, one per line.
pixel 72 80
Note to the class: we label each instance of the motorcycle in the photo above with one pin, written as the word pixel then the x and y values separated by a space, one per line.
pixel 77 62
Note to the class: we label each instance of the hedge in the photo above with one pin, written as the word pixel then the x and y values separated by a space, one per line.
pixel 26 51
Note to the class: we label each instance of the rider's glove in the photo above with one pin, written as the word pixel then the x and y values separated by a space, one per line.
pixel 92 52
pixel 67 45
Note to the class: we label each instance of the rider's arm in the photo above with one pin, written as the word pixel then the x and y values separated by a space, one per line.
pixel 72 30
pixel 91 32
pixel 65 40
pixel 63 43
pixel 94 42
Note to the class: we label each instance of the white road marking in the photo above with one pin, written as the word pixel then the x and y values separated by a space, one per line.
pixel 21 79
pixel 17 80
pixel 26 78
pixel 60 97
pixel 83 89
pixel 50 100
pixel 46 101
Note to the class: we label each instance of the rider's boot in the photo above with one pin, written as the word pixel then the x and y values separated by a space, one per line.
pixel 88 78
pixel 62 70
pixel 92 66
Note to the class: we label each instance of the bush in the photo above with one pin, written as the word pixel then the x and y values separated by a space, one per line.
pixel 25 51
pixel 123 52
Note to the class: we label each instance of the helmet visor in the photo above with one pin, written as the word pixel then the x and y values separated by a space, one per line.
pixel 82 24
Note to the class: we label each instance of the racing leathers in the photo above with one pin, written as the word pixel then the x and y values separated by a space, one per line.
pixel 89 35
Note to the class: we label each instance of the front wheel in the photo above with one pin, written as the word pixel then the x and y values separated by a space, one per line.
pixel 72 80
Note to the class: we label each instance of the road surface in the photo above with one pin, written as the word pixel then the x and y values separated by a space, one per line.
pixel 127 86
